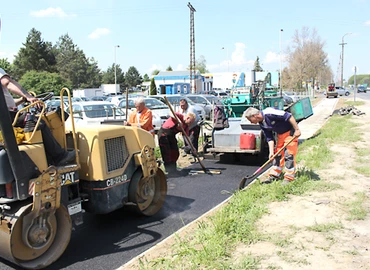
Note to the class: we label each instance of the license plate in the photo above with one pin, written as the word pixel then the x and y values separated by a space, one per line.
pixel 74 208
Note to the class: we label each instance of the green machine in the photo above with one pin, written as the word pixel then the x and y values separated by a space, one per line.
pixel 258 96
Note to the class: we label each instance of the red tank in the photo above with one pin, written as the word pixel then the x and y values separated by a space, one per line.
pixel 247 141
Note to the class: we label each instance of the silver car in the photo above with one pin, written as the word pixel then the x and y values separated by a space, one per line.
pixel 160 111
pixel 174 100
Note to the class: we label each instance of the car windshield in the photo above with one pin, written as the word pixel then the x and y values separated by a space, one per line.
pixel 153 103
pixel 213 99
pixel 102 110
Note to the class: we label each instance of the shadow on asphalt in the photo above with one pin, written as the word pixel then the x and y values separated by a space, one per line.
pixel 123 230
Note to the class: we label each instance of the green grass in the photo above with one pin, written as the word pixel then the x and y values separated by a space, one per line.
pixel 355 208
pixel 211 245
pixel 325 227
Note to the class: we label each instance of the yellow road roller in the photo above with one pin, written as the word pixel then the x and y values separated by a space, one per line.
pixel 41 202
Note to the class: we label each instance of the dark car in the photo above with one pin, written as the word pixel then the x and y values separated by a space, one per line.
pixel 361 89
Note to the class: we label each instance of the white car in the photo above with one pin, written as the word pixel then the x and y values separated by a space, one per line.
pixel 159 110
pixel 204 102
pixel 174 100
pixel 293 96
pixel 342 91
pixel 96 112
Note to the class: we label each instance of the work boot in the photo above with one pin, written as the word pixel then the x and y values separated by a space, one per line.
pixel 270 179
pixel 173 171
pixel 69 157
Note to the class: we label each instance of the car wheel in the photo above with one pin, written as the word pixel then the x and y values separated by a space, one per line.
pixel 346 94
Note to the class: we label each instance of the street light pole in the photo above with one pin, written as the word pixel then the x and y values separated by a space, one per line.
pixel 355 85
pixel 115 67
pixel 341 74
pixel 227 57
pixel 281 75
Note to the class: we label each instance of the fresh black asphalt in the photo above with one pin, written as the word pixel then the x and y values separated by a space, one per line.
pixel 109 241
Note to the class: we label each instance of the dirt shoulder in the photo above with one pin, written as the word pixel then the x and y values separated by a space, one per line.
pixel 314 230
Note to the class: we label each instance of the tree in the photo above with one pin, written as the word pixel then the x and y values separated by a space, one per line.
pixel 109 76
pixel 74 65
pixel 35 55
pixel 257 66
pixel 201 65
pixel 155 72
pixel 43 82
pixel 307 60
pixel 5 65
pixel 169 68
pixel 132 77
pixel 153 87
pixel 146 78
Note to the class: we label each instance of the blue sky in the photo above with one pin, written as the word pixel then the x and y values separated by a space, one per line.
pixel 156 34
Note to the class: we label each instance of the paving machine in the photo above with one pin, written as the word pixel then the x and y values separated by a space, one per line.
pixel 40 203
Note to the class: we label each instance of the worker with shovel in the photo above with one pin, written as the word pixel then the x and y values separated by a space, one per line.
pixel 168 142
pixel 286 127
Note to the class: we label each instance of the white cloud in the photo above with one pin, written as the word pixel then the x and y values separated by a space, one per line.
pixel 272 57
pixel 180 67
pixel 99 32
pixel 155 67
pixel 8 56
pixel 51 12
pixel 367 23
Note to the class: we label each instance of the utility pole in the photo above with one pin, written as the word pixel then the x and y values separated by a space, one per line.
pixel 341 73
pixel 355 86
pixel 193 88
pixel 281 74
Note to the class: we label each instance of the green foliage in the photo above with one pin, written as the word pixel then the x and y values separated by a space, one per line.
pixel 169 68
pixel 146 78
pixel 132 77
pixel 73 65
pixel 108 77
pixel 42 82
pixel 5 65
pixel 201 65
pixel 153 87
pixel 35 55
pixel 155 72
pixel 360 79
pixel 257 65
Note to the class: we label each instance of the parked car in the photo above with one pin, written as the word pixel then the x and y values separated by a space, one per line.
pixel 342 91
pixel 95 112
pixel 287 99
pixel 361 89
pixel 202 101
pixel 174 100
pixel 115 99
pixel 53 104
pixel 160 111
pixel 98 98
pixel 294 97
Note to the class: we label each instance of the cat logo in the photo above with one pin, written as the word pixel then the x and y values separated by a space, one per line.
pixel 69 178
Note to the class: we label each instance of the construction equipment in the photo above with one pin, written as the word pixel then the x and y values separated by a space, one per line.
pixel 41 203
pixel 248 179
pixel 230 140
pixel 332 91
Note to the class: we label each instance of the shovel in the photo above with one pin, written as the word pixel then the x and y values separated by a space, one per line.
pixel 248 179
pixel 195 152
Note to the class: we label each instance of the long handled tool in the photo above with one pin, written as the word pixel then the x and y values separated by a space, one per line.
pixel 249 178
pixel 195 152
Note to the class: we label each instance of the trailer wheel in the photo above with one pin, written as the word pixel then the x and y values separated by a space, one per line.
pixel 148 193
